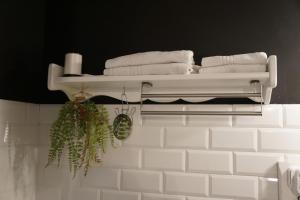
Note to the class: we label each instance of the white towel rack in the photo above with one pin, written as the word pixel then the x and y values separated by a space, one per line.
pixel 194 87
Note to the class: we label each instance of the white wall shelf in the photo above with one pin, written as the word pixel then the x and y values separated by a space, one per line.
pixel 112 86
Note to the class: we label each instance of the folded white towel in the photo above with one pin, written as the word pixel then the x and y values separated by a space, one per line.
pixel 152 57
pixel 249 58
pixel 155 69
pixel 233 69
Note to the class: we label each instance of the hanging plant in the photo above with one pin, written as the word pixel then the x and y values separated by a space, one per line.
pixel 84 131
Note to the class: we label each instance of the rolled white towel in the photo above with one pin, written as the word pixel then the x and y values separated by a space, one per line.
pixel 249 58
pixel 151 57
pixel 155 69
pixel 233 69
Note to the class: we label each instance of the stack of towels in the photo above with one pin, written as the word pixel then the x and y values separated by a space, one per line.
pixel 151 63
pixel 251 62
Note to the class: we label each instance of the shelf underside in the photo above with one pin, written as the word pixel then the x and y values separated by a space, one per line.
pixel 165 82
pixel 113 86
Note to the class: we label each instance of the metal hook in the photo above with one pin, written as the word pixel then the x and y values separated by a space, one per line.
pixel 124 99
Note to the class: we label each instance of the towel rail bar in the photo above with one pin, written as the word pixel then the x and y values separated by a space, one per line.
pixel 240 113
pixel 216 95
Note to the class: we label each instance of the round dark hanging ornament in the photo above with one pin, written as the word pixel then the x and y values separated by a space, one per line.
pixel 123 122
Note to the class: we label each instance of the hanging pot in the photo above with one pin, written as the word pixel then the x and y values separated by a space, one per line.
pixel 123 122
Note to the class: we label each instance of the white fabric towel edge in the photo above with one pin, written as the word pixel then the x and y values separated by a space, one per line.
pixel 151 57
pixel 249 58
pixel 155 69
pixel 233 69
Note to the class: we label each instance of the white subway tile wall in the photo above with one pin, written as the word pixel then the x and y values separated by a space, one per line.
pixel 84 193
pixel 165 158
pixel 162 159
pixel 123 157
pixel 234 186
pixel 238 139
pixel 162 197
pixel 291 114
pixel 210 161
pixel 141 137
pixel 259 164
pixel 186 137
pixel 115 194
pixel 102 178
pixel 18 150
pixel 146 181
pixel 186 183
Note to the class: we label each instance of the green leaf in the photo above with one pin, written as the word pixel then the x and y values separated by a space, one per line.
pixel 82 129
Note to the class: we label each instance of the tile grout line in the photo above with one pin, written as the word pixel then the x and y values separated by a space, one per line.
pixel 234 172
pixel 209 139
pixel 163 136
pixel 258 141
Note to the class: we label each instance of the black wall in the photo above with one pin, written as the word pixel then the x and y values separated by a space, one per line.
pixel 21 49
pixel 104 29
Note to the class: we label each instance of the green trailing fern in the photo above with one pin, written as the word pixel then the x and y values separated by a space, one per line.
pixel 83 130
